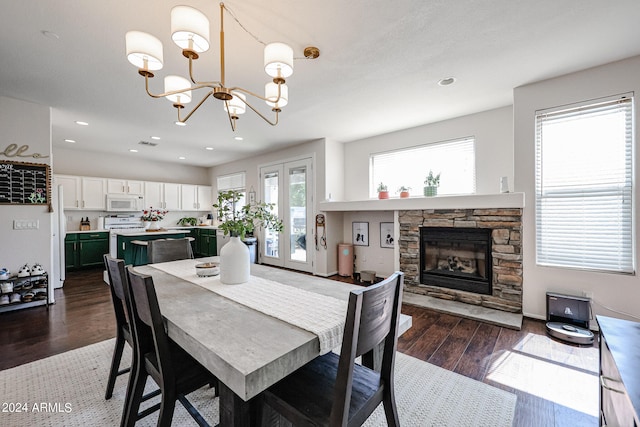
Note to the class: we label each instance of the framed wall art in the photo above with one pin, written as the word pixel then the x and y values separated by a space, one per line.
pixel 360 233
pixel 387 237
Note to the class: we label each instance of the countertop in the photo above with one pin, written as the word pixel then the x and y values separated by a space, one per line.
pixel 124 231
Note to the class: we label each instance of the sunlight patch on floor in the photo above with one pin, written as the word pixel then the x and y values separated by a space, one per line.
pixel 528 369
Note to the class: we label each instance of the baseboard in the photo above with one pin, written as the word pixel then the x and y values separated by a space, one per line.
pixel 333 273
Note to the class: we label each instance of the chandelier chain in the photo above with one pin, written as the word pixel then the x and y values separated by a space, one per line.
pixel 256 38
pixel 242 26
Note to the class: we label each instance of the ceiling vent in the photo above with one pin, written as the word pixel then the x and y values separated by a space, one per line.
pixel 150 144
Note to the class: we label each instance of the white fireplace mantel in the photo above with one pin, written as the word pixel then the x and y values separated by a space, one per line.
pixel 473 201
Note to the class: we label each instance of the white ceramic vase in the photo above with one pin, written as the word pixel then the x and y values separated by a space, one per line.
pixel 234 262
pixel 152 225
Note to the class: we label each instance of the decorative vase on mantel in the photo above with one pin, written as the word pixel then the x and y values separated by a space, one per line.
pixel 430 191
pixel 234 262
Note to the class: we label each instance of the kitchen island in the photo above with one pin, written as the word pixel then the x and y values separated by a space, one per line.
pixel 121 245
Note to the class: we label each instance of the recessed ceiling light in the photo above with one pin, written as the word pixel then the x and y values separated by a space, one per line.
pixel 133 150
pixel 50 34
pixel 78 122
pixel 208 148
pixel 181 158
pixel 238 138
pixel 447 81
pixel 178 123
pixel 155 137
pixel 73 141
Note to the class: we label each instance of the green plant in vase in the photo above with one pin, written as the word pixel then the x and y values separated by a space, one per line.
pixel 383 192
pixel 242 221
pixel 404 191
pixel 432 182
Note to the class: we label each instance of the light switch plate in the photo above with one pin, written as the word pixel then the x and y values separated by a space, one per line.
pixel 26 224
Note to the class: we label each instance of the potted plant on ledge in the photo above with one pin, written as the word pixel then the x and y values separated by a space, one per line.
pixel 431 184
pixel 383 192
pixel 404 192
pixel 234 256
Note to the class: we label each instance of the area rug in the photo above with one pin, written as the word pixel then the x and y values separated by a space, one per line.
pixel 68 389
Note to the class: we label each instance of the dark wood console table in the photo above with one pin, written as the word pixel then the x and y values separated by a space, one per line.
pixel 619 367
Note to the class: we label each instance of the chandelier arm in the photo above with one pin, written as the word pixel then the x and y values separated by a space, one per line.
pixel 261 115
pixel 232 121
pixel 255 95
pixel 194 108
pixel 174 92
pixel 207 84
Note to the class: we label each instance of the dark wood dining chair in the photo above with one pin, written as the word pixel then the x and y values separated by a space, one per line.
pixel 333 390
pixel 117 276
pixel 174 370
pixel 164 250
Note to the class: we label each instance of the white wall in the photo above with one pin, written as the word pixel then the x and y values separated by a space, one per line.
pixel 25 123
pixel 493 132
pixel 70 161
pixel 371 257
pixel 324 263
pixel 620 292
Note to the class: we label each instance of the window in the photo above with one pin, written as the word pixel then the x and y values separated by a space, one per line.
pixel 235 181
pixel 584 186
pixel 453 160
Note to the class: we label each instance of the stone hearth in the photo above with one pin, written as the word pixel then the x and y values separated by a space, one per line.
pixel 506 226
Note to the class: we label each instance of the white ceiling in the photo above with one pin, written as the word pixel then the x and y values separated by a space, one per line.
pixel 378 70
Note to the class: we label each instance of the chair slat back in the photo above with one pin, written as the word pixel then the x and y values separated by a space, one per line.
pixel 164 250
pixel 117 274
pixel 372 320
pixel 149 321
pixel 377 313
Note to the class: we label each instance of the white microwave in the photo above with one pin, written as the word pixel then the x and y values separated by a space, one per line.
pixel 124 203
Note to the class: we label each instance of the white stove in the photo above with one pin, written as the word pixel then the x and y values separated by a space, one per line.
pixel 121 225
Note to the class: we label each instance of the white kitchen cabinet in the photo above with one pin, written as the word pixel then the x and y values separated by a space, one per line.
pixel 196 197
pixel 162 195
pixel 124 186
pixel 81 192
pixel 205 197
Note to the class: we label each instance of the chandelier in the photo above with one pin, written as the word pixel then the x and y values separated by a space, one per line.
pixel 190 31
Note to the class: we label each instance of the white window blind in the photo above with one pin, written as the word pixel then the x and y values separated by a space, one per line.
pixel 235 181
pixel 453 160
pixel 584 185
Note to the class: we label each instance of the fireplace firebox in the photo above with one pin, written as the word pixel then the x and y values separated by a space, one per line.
pixel 456 258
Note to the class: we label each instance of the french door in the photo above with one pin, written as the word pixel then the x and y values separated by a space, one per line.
pixel 289 186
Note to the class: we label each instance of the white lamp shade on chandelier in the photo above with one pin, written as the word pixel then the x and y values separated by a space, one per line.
pixel 278 60
pixel 173 83
pixel 144 50
pixel 190 28
pixel 236 104
pixel 271 93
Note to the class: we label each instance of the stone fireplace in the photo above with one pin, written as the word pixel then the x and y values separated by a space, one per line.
pixel 468 255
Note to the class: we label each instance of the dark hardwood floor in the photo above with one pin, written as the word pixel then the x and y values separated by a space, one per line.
pixel 556 383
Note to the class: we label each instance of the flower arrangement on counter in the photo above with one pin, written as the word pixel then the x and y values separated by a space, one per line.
pixel 153 214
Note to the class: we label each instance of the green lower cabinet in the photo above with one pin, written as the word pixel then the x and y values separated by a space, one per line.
pixel 85 249
pixel 205 242
pixel 71 251
pixel 137 254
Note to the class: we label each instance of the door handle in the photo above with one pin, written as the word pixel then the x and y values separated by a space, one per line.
pixel 603 383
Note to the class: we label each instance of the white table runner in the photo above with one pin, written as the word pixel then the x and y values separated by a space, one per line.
pixel 316 313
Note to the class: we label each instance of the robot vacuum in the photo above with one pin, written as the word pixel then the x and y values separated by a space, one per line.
pixel 568 318
pixel 570 333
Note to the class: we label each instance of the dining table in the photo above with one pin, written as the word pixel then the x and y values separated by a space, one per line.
pixel 250 335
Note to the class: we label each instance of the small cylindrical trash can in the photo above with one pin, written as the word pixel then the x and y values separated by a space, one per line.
pixel 345 259
pixel 252 244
